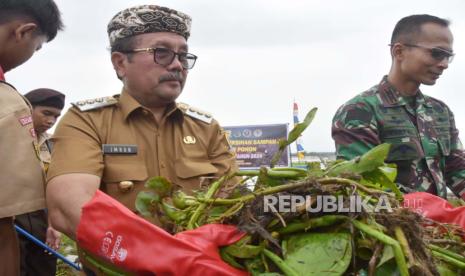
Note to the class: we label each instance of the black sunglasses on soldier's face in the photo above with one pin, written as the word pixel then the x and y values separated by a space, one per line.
pixel 436 53
pixel 165 57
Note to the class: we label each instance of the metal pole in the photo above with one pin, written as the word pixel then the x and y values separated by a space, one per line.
pixel 46 247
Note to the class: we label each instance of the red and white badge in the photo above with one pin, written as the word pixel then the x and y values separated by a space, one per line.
pixel 2 76
pixel 25 120
pixel 33 132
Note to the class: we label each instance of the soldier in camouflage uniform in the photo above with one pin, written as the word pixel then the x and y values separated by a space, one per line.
pixel 421 129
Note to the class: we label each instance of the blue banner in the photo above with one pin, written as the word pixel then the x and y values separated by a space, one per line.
pixel 255 145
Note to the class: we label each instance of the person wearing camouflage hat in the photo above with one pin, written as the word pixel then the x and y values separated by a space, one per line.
pixel 421 129
pixel 117 143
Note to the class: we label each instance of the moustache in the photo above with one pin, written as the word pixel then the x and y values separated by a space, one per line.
pixel 174 76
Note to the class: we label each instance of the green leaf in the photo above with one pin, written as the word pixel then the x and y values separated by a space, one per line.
pixel 179 199
pixel 217 211
pixel 387 269
pixel 369 161
pixel 388 254
pixel 390 170
pixel 254 266
pixel 182 200
pixel 172 212
pixel 319 253
pixel 446 270
pixel 146 203
pixel 229 259
pixel 244 251
pixel 300 127
pixel 314 169
pixel 379 177
pixel 159 185
pixel 104 266
pixel 293 135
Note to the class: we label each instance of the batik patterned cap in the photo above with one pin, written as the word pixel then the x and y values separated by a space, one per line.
pixel 148 19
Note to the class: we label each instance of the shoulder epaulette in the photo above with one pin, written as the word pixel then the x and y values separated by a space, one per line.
pixel 91 104
pixel 195 113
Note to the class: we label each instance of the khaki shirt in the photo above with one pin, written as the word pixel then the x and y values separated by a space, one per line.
pixel 21 172
pixel 182 148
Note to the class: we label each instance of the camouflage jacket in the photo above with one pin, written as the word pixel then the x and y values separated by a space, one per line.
pixel 425 143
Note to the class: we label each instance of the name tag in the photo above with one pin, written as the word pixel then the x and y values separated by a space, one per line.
pixel 119 149
pixel 25 120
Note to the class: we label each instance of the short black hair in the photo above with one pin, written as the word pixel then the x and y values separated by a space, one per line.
pixel 44 12
pixel 406 29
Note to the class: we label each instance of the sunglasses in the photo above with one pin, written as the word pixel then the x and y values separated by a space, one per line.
pixel 165 57
pixel 438 54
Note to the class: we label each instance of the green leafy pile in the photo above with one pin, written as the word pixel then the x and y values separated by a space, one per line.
pixel 382 238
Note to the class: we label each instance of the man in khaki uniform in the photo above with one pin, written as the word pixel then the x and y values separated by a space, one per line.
pixel 46 108
pixel 124 144
pixel 24 26
pixel 116 143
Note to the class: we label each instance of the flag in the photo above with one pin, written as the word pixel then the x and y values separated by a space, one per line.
pixel 298 142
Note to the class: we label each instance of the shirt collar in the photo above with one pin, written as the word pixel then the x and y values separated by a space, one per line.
pixel 390 97
pixel 128 105
pixel 42 138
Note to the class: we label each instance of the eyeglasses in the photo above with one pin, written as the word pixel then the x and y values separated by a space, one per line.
pixel 165 57
pixel 436 53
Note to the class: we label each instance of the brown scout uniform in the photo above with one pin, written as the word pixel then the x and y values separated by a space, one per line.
pixel 118 140
pixel 21 173
pixel 34 260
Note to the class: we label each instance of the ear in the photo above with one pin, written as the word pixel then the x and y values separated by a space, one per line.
pixel 119 63
pixel 397 51
pixel 25 30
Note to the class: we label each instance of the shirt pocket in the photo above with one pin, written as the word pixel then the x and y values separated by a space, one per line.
pixel 404 145
pixel 443 135
pixel 189 172
pixel 444 146
pixel 124 181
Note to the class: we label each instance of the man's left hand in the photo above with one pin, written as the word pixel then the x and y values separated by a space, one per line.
pixel 53 238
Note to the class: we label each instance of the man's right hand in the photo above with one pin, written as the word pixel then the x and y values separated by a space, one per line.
pixel 112 232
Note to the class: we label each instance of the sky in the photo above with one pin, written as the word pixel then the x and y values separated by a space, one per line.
pixel 255 57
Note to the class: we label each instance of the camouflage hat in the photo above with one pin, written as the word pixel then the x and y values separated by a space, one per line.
pixel 148 19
